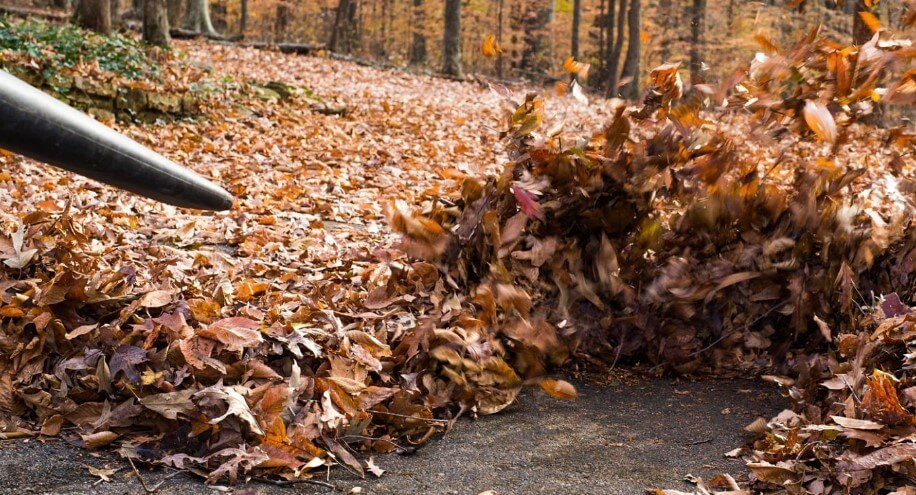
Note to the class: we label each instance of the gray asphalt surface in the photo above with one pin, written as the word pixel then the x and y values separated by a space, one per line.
pixel 615 439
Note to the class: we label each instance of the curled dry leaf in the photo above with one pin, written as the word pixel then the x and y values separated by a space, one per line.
pixel 559 389
pixel 99 439
pixel 820 120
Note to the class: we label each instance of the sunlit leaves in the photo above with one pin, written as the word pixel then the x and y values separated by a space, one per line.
pixel 571 66
pixel 820 120
pixel 559 389
pixel 490 47
pixel 170 404
pixel 870 21
pixel 15 256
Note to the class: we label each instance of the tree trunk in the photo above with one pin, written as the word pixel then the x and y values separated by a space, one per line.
pixel 115 12
pixel 666 23
pixel 176 12
pixel 344 36
pixel 282 22
pixel 631 64
pixel 94 15
pixel 500 7
pixel 219 17
pixel 156 22
pixel 697 32
pixel 576 26
pixel 61 4
pixel 860 32
pixel 613 65
pixel 243 19
pixel 451 39
pixel 197 18
pixel 601 72
pixel 418 43
pixel 535 36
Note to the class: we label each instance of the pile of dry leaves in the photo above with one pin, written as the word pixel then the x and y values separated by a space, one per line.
pixel 698 240
pixel 283 337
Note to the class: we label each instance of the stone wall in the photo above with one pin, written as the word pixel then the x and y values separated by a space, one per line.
pixel 109 100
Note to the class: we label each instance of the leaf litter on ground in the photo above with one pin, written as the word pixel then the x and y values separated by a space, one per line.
pixel 736 228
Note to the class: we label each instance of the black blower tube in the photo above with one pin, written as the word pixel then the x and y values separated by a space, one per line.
pixel 40 127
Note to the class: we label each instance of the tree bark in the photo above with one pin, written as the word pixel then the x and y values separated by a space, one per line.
pixel 697 32
pixel 860 32
pixel 418 42
pixel 613 65
pixel 631 64
pixel 344 35
pixel 198 17
pixel 282 22
pixel 451 39
pixel 156 22
pixel 243 19
pixel 666 23
pixel 176 12
pixel 94 15
pixel 535 36
pixel 576 26
pixel 500 6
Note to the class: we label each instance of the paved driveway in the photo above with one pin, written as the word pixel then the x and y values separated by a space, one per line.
pixel 615 439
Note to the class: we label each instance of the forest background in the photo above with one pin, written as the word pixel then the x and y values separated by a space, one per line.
pixel 620 39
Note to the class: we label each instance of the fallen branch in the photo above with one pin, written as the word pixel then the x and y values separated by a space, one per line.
pixel 295 482
pixel 54 15
pixel 296 48
pixel 155 487
pixel 186 34
pixel 12 435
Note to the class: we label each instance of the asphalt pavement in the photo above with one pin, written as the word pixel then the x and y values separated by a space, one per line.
pixel 616 438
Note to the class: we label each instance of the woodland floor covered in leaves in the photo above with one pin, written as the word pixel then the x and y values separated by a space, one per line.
pixel 296 332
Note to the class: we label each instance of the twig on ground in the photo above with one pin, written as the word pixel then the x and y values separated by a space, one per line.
pixel 429 420
pixel 741 328
pixel 296 482
pixel 12 435
pixel 155 487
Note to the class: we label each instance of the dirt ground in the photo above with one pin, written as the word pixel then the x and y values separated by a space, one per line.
pixel 620 438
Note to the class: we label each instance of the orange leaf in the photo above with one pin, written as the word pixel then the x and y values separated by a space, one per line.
pixel 820 120
pixel 11 312
pixel 571 66
pixel 870 20
pixel 559 389
pixel 490 47
pixel 156 299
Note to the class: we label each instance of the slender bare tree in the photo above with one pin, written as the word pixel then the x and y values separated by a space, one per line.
pixel 418 41
pixel 243 18
pixel 697 33
pixel 860 31
pixel 614 50
pixel 576 27
pixel 631 62
pixel 451 39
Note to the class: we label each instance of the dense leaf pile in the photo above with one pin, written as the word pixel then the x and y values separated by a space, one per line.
pixel 234 343
pixel 282 337
pixel 697 241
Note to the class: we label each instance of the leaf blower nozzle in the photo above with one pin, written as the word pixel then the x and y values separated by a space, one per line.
pixel 40 127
